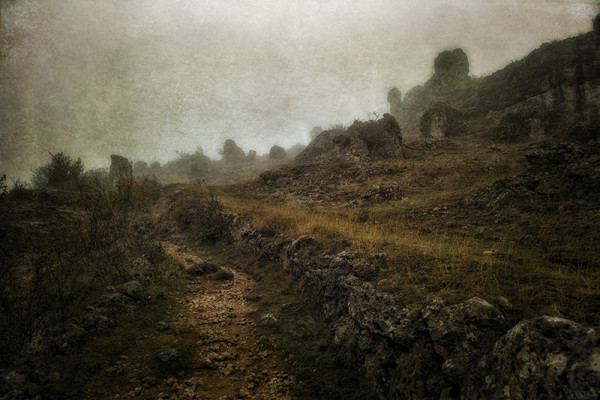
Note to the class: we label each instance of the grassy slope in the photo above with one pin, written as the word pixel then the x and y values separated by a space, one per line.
pixel 542 262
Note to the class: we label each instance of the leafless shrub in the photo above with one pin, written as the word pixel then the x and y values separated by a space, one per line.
pixel 51 268
pixel 204 218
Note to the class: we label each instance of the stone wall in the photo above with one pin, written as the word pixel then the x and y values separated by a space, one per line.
pixel 440 350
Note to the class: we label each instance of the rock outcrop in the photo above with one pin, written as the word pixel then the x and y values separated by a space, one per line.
pixel 119 167
pixel 442 120
pixel 450 68
pixel 361 140
pixel 559 175
pixel 394 97
pixel 232 153
pixel 554 88
pixel 544 357
pixel 277 153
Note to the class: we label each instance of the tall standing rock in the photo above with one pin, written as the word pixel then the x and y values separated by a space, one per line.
pixel 450 67
pixel 394 97
pixel 231 152
pixel 119 167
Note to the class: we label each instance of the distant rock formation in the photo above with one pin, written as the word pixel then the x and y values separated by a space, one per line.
pixel 315 131
pixel 277 153
pixel 442 120
pixel 231 152
pixel 394 97
pixel 450 68
pixel 119 167
pixel 374 139
pixel 296 149
pixel 554 88
pixel 448 83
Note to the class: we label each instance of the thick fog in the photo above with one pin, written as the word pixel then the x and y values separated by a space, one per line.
pixel 150 78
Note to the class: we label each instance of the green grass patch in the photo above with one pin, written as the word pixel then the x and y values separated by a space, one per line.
pixel 130 353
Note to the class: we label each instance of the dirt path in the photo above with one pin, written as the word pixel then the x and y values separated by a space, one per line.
pixel 227 362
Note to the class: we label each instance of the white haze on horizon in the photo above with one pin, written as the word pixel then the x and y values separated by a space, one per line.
pixel 150 78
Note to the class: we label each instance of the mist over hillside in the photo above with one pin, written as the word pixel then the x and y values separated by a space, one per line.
pixel 96 78
pixel 446 249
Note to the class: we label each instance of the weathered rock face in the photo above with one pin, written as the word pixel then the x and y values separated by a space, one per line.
pixel 440 351
pixel 277 153
pixel 231 152
pixel 513 128
pixel 561 79
pixel 450 67
pixel 551 357
pixel 442 120
pixel 119 167
pixel 394 97
pixel 562 172
pixel 376 139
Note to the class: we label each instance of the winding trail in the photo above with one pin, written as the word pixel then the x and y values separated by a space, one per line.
pixel 227 362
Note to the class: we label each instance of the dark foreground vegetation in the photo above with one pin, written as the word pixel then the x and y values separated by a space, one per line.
pixel 90 300
pixel 81 266
pixel 461 263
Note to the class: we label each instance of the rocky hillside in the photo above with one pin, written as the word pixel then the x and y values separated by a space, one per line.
pixel 552 90
pixel 440 350
pixel 363 140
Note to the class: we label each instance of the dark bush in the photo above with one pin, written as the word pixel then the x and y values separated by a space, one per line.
pixel 223 275
pixel 19 190
pixel 203 218
pixel 51 270
pixel 277 153
pixel 201 268
pixel 59 172
pixel 3 186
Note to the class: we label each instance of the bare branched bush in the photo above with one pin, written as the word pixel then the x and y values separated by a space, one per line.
pixel 19 189
pixel 3 186
pixel 203 218
pixel 53 267
pixel 61 171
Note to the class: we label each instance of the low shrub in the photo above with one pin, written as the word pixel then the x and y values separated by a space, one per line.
pixel 223 275
pixel 61 171
pixel 203 218
pixel 3 186
pixel 53 263
pixel 19 190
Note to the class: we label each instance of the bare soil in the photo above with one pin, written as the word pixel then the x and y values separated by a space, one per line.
pixel 226 360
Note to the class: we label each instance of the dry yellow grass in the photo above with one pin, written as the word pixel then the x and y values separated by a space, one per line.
pixel 457 253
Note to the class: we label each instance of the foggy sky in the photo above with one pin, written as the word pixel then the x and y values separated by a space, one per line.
pixel 149 78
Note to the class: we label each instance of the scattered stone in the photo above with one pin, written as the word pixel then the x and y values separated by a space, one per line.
pixel 201 268
pixel 162 326
pixel 382 192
